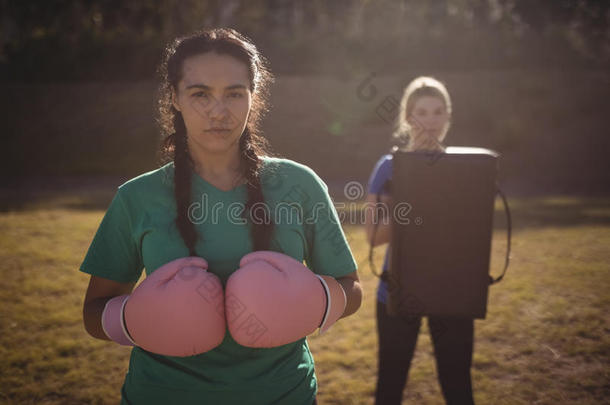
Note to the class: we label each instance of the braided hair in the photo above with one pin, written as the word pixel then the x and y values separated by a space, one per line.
pixel 252 145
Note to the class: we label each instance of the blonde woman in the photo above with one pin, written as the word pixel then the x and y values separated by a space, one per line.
pixel 422 125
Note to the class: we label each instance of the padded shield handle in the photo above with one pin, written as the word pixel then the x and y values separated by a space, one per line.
pixel 508 237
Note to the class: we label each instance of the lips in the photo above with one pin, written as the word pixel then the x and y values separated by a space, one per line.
pixel 218 131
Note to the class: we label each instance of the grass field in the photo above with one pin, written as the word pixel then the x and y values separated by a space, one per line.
pixel 545 340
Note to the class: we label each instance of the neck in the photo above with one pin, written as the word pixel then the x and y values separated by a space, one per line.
pixel 221 169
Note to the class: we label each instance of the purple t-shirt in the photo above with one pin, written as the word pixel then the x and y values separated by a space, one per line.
pixel 380 176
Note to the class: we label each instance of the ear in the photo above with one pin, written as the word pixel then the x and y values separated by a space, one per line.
pixel 175 100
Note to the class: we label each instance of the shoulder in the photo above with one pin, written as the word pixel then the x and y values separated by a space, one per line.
pixel 154 181
pixel 286 166
pixel 280 168
pixel 381 174
pixel 383 167
pixel 384 161
pixel 290 181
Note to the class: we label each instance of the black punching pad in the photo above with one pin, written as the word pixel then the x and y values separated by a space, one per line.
pixel 439 260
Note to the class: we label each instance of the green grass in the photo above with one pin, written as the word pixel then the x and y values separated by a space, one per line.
pixel 545 339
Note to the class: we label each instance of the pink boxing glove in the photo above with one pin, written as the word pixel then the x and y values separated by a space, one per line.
pixel 178 310
pixel 273 299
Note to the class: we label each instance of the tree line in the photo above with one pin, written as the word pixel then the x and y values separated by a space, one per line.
pixel 113 39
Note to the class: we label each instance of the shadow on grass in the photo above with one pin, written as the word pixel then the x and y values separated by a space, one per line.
pixel 555 211
pixel 95 195
pixel 92 201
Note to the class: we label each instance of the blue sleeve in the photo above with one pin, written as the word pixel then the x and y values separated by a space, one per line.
pixel 381 174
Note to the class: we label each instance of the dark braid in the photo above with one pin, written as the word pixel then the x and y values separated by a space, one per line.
pixel 252 145
pixel 256 209
pixel 183 169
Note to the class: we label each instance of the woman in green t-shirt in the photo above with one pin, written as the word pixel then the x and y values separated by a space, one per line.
pixel 179 223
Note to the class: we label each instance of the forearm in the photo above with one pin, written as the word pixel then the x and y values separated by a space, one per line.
pixel 92 317
pixel 377 220
pixel 353 294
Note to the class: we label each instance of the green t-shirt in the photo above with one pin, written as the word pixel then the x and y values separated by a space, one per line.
pixel 138 231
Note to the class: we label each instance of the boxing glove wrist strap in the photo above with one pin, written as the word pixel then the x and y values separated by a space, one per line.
pixel 113 321
pixel 335 303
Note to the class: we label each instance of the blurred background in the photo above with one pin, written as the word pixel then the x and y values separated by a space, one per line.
pixel 528 79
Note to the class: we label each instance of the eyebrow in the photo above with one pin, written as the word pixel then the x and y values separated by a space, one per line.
pixel 205 87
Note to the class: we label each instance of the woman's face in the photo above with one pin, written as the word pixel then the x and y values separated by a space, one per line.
pixel 214 98
pixel 429 118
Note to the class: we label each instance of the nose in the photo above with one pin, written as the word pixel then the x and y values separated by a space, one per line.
pixel 218 109
pixel 430 121
pixel 433 124
pixel 424 122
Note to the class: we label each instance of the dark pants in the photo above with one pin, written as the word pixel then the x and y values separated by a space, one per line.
pixel 453 343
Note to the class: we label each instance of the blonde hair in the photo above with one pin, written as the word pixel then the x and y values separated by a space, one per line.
pixel 419 87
